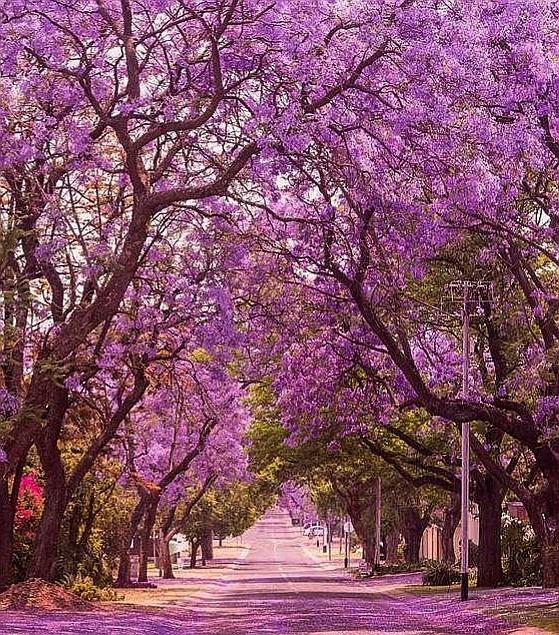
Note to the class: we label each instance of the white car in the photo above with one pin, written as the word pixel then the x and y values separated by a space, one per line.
pixel 313 530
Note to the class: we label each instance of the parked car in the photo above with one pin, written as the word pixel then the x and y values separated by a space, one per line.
pixel 313 530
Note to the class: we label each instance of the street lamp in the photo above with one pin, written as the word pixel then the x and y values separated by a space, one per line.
pixel 468 294
pixel 378 493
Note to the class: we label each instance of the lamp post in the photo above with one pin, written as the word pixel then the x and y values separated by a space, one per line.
pixel 378 494
pixel 346 544
pixel 465 489
pixel 468 293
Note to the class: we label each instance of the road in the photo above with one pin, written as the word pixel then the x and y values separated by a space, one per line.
pixel 277 588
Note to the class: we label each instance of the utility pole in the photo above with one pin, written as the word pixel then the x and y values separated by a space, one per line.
pixel 468 293
pixel 465 489
pixel 378 509
pixel 346 544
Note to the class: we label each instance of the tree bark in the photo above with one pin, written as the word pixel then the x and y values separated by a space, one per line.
pixel 363 531
pixel 167 533
pixel 413 527
pixel 392 542
pixel 490 502
pixel 544 517
pixel 206 541
pixel 550 560
pixel 45 551
pixel 550 539
pixel 123 577
pixel 193 553
pixel 165 558
pixel 450 523
pixel 146 532
pixel 7 513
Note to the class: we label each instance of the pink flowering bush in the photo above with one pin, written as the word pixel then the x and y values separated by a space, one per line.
pixel 27 516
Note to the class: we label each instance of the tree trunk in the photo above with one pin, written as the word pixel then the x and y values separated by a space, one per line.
pixel 364 533
pixel 145 535
pixel 450 523
pixel 490 503
pixel 207 544
pixel 392 542
pixel 413 527
pixel 45 550
pixel 143 555
pixel 193 553
pixel 550 541
pixel 165 558
pixel 413 545
pixel 550 560
pixel 167 533
pixel 123 578
pixel 544 517
pixel 81 546
pixel 6 534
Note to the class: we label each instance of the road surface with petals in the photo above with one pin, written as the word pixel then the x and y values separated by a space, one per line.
pixel 278 588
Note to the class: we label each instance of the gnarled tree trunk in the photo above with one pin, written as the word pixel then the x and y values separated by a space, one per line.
pixel 7 512
pixel 489 496
pixel 206 542
pixel 544 517
pixel 194 544
pixel 392 542
pixel 123 577
pixel 146 532
pixel 45 550
pixel 167 533
pixel 363 531
pixel 413 526
pixel 165 558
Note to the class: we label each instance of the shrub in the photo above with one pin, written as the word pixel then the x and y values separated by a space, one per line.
pixel 85 587
pixel 440 574
pixel 521 554
pixel 400 567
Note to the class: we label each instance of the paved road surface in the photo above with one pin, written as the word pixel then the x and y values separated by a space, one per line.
pixel 278 588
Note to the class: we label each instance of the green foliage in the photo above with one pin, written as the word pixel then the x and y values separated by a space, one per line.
pixel 439 574
pixel 521 553
pixel 230 511
pixel 400 567
pixel 94 526
pixel 85 587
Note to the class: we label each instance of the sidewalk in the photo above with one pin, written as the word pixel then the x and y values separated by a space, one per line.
pixel 529 610
pixel 316 554
pixel 535 611
pixel 190 584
